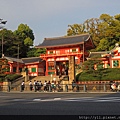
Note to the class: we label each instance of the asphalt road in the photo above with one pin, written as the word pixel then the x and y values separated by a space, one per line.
pixel 59 103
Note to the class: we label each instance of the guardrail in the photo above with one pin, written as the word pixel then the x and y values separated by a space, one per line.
pixel 59 88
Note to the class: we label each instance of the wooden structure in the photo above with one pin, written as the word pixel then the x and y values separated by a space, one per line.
pixel 110 59
pixel 33 66
pixel 59 51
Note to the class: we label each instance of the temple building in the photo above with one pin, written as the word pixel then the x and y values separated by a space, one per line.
pixel 34 66
pixel 110 59
pixel 64 55
pixel 60 50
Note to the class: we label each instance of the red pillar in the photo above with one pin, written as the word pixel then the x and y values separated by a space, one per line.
pixel 110 60
pixel 46 67
pixel 55 65
pixel 37 69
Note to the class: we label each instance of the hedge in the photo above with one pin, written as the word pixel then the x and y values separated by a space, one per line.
pixel 103 74
pixel 11 77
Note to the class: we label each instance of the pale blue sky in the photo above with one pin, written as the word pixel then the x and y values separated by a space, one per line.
pixel 50 18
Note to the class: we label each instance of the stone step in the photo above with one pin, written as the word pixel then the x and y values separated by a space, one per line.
pixel 43 78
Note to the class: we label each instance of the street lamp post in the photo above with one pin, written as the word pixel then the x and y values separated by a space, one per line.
pixel 18 60
pixel 2 47
pixel 1 27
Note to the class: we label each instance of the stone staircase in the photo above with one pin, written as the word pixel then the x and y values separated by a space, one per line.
pixel 43 78
pixel 38 78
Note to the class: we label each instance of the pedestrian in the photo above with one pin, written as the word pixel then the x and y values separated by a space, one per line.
pixel 53 86
pixel 45 86
pixel 31 86
pixel 73 84
pixel 49 86
pixel 59 87
pixel 35 85
pixel 40 85
pixel 113 86
pixel 22 86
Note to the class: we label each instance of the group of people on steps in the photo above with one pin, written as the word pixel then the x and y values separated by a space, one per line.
pixel 37 85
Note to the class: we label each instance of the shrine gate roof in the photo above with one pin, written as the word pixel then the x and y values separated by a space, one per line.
pixel 31 60
pixel 98 54
pixel 13 59
pixel 64 41
pixel 24 60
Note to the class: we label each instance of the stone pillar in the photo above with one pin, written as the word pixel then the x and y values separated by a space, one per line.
pixel 71 69
pixel 26 78
pixel 25 74
pixel 64 85
pixel 5 85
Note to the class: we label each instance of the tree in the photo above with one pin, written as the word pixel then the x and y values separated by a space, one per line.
pixel 23 37
pixel 75 29
pixel 9 40
pixel 26 37
pixel 103 45
pixel 93 66
pixel 104 31
pixel 4 67
pixel 35 52
pixel 24 32
pixel 28 42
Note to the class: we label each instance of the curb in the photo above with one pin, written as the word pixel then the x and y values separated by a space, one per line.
pixel 56 92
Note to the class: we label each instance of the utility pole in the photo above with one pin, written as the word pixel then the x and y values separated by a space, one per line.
pixel 83 50
pixel 2 47
pixel 1 27
pixel 18 60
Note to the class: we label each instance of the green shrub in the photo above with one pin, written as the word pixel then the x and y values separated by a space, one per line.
pixel 2 77
pixel 102 74
pixel 11 77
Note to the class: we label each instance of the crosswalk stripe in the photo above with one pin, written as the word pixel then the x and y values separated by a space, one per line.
pixel 36 99
pixel 3 96
pixel 19 99
pixel 57 98
pixel 82 99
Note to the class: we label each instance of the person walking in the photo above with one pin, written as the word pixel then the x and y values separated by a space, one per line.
pixel 49 86
pixel 30 85
pixel 22 86
pixel 53 86
pixel 73 85
pixel 35 83
pixel 45 86
pixel 39 85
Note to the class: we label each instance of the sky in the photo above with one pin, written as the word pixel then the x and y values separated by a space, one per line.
pixel 50 18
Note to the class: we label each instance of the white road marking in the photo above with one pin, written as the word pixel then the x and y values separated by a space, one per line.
pixel 90 99
pixel 48 100
pixel 4 96
pixel 19 99
pixel 102 100
pixel 36 99
pixel 82 99
pixel 57 98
